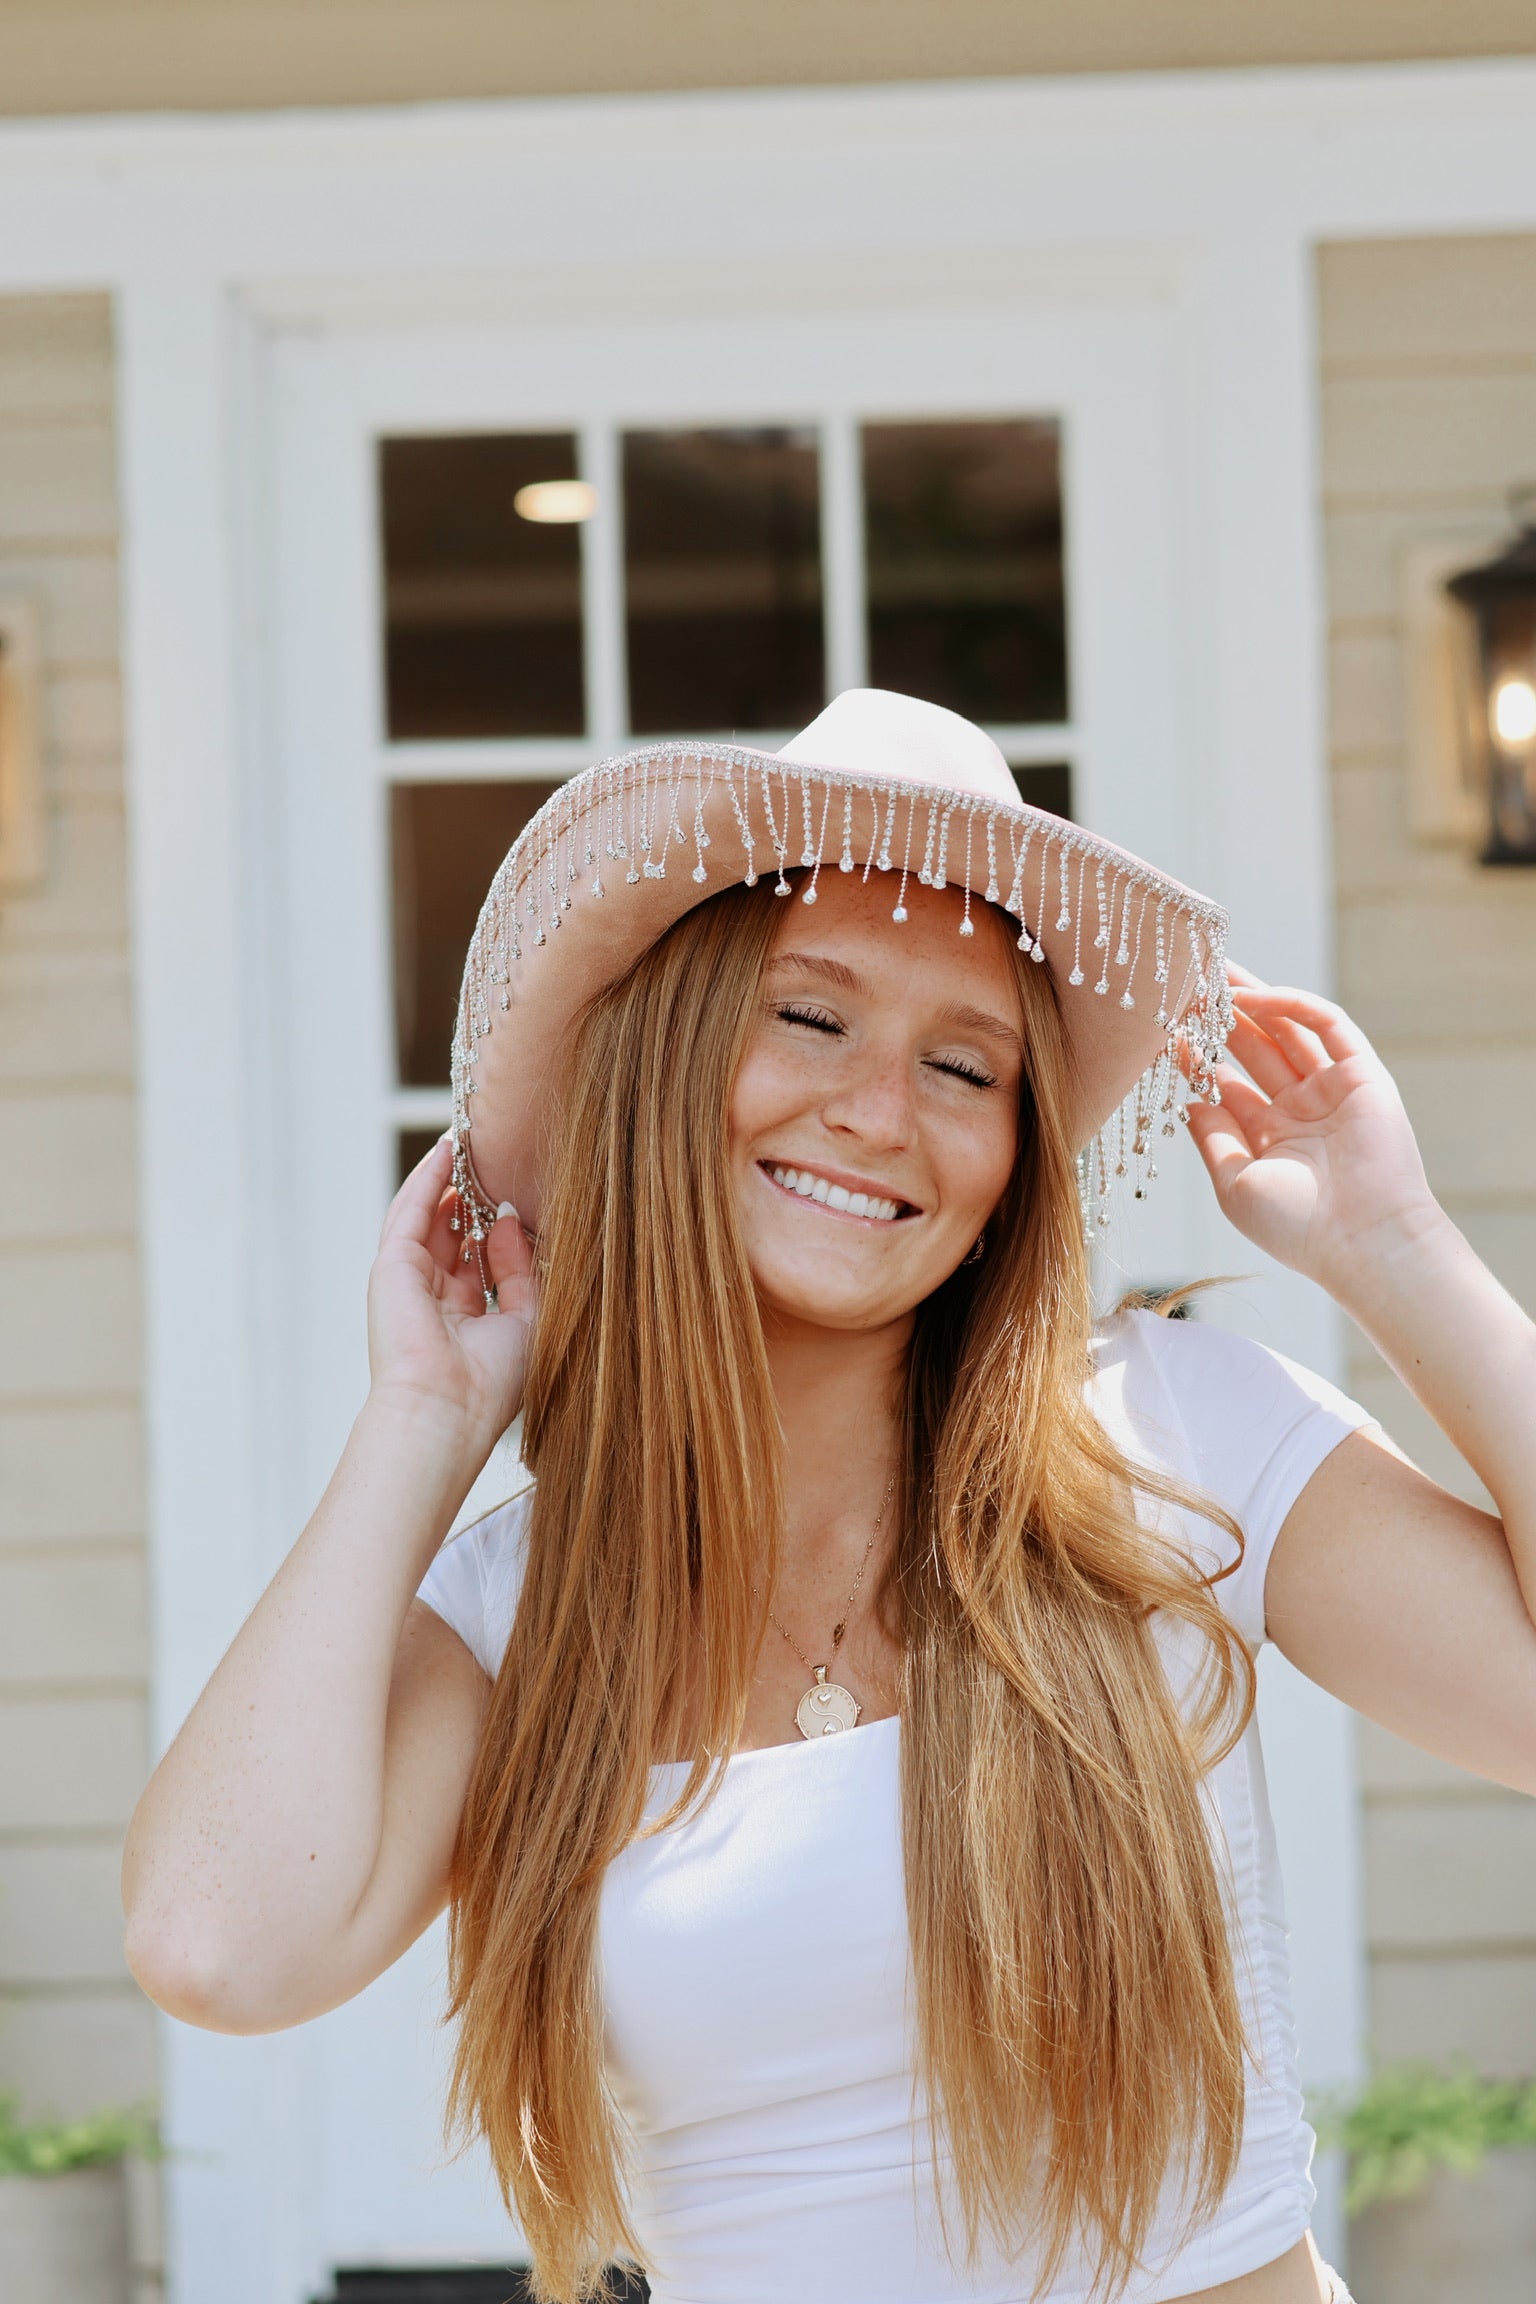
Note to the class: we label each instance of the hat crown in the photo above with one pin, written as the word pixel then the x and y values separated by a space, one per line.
pixel 876 732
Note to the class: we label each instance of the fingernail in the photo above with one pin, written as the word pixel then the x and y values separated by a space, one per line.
pixel 446 1136
pixel 506 1209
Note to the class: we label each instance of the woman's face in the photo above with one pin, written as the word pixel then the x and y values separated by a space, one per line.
pixel 874 1119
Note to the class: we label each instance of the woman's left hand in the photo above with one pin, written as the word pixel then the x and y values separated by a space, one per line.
pixel 1311 1154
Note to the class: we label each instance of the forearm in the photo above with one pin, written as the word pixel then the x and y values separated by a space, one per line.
pixel 1465 1349
pixel 258 1835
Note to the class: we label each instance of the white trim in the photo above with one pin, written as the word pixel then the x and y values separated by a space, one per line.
pixel 229 242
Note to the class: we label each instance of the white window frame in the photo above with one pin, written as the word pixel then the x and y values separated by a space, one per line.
pixel 226 242
pixel 836 427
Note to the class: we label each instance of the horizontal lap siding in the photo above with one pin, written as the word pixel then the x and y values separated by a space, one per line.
pixel 75 2033
pixel 97 55
pixel 1428 418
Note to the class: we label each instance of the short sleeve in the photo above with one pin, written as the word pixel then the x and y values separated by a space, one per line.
pixel 1242 1424
pixel 474 1582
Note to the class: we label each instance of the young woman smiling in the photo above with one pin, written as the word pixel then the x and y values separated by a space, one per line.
pixel 839 1762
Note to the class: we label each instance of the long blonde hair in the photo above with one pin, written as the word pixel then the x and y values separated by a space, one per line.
pixel 1078 2030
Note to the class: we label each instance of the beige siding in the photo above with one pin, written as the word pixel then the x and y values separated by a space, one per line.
pixel 74 2031
pixel 103 56
pixel 1429 417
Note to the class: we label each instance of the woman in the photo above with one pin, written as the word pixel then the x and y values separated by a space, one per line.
pixel 769 1222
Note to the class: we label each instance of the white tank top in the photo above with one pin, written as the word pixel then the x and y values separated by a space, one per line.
pixel 754 1963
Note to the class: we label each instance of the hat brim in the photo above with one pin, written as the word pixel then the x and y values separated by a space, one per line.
pixel 624 849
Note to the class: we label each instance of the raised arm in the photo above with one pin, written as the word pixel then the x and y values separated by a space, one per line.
pixel 297 1835
pixel 1416 1608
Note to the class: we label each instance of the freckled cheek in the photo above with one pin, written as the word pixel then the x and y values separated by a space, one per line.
pixel 768 1091
pixel 977 1174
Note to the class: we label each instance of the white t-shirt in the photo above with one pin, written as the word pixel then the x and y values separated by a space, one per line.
pixel 754 1959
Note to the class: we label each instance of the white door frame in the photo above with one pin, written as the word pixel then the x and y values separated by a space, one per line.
pixel 1108 374
pixel 222 240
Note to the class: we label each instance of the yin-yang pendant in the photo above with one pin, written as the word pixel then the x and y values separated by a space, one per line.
pixel 827 1709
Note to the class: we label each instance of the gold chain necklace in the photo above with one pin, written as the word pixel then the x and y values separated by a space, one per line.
pixel 826 1708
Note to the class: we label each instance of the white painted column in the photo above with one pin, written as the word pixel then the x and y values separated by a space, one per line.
pixel 1259 695
pixel 204 1196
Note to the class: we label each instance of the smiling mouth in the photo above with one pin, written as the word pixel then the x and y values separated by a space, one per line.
pixel 804 1184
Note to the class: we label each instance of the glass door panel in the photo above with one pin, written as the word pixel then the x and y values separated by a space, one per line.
pixel 722 580
pixel 963 566
pixel 481 540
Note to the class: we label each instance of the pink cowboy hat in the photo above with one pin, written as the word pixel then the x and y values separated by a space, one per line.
pixel 878 783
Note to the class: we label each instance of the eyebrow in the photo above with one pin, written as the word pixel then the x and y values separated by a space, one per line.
pixel 960 1016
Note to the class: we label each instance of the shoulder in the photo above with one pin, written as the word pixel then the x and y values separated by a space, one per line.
pixel 1234 1421
pixel 475 1581
pixel 1198 1381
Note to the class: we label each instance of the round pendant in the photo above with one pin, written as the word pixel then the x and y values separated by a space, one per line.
pixel 826 1710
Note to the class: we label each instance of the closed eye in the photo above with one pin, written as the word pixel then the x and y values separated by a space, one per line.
pixel 814 1019
pixel 959 1069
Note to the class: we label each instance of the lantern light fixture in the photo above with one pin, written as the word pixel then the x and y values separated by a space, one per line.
pixel 1500 597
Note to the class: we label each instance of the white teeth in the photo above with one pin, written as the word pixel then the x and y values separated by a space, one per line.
pixel 809 1187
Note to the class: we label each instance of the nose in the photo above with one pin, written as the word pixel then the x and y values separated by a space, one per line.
pixel 872 1100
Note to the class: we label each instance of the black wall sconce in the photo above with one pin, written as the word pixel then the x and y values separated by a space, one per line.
pixel 1500 596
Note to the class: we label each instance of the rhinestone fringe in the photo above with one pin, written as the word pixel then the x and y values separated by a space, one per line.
pixel 620 820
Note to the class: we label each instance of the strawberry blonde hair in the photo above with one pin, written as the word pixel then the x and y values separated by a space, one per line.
pixel 1078 2033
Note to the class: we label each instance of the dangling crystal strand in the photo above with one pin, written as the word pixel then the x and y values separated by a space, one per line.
pixel 700 835
pixel 1101 934
pixel 1076 976
pixel 571 865
pixel 925 875
pixel 781 839
pixel 1045 867
pixel 966 929
pixel 1128 996
pixel 808 854
pixel 741 809
pixel 845 860
pixel 1102 940
pixel 941 868
pixel 1018 853
pixel 890 822
pixel 826 809
pixel 778 841
pixel 900 913
pixel 1064 914
pixel 632 829
pixel 993 892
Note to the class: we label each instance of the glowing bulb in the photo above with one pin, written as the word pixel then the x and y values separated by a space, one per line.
pixel 1514 711
pixel 556 501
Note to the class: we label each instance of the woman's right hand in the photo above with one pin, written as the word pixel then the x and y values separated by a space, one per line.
pixel 431 1341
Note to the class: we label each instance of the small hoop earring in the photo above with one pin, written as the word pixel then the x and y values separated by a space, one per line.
pixel 980 1248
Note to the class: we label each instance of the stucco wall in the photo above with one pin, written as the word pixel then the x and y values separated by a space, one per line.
pixel 1429 416
pixel 74 2032
pixel 106 56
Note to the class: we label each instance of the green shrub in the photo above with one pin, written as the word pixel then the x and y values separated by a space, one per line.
pixel 49 2147
pixel 1411 2119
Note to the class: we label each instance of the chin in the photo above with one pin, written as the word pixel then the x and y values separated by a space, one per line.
pixel 852 1310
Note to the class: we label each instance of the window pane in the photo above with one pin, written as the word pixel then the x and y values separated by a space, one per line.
pixel 412 1145
pixel 963 566
pixel 1046 784
pixel 482 606
pixel 446 841
pixel 722 562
